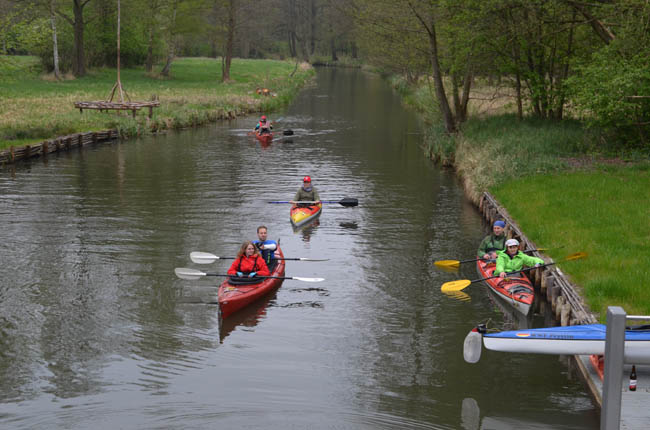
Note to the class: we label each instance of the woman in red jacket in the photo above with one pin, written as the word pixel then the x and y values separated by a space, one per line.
pixel 249 263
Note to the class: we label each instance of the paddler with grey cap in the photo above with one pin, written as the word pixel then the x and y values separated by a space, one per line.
pixel 493 242
pixel 513 260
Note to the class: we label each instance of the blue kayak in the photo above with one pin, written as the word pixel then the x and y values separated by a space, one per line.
pixel 571 340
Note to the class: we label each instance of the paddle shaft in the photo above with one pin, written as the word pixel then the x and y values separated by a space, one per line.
pixel 513 273
pixel 235 276
pixel 481 258
pixel 290 259
pixel 347 201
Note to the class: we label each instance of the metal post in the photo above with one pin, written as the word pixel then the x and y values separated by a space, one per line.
pixel 610 418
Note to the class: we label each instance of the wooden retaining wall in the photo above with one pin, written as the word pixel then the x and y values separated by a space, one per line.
pixel 566 303
pixel 64 143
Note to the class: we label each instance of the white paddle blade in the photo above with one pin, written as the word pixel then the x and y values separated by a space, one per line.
pixel 203 257
pixel 308 279
pixel 313 259
pixel 190 274
pixel 472 347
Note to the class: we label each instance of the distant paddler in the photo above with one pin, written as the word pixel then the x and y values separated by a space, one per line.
pixel 263 126
pixel 306 195
pixel 493 242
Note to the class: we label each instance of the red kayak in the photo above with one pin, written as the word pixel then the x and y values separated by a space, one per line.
pixel 235 294
pixel 516 291
pixel 265 138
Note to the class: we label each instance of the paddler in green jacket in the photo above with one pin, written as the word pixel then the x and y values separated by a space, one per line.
pixel 513 260
pixel 493 242
pixel 306 193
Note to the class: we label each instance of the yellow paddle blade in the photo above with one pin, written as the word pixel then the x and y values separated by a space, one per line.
pixel 447 263
pixel 576 256
pixel 455 285
pixel 459 295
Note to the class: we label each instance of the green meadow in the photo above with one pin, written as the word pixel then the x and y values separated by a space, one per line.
pixel 605 212
pixel 35 107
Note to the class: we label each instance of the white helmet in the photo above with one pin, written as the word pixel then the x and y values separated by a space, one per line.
pixel 512 242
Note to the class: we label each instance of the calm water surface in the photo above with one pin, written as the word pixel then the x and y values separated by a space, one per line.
pixel 97 332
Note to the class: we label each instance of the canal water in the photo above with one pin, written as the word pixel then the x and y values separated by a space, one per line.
pixel 97 332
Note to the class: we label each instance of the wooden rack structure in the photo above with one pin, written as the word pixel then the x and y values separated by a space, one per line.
pixel 121 104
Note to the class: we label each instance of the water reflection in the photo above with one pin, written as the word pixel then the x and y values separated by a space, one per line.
pixel 247 318
pixel 349 225
pixel 307 230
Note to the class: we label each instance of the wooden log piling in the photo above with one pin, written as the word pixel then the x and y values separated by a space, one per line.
pixel 13 154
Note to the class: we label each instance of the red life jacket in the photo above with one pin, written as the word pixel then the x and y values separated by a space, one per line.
pixel 250 264
pixel 264 126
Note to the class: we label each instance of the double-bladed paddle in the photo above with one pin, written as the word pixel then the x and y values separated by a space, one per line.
pixel 463 283
pixel 207 258
pixel 192 274
pixel 456 263
pixel 347 201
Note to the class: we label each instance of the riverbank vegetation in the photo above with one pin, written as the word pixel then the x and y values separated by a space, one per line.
pixel 34 108
pixel 550 112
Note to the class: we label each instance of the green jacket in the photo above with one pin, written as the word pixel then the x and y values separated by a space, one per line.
pixel 516 263
pixel 304 196
pixel 491 242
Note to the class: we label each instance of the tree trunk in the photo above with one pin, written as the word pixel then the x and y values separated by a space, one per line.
pixel 55 44
pixel 461 115
pixel 225 70
pixel 80 57
pixel 292 44
pixel 565 73
pixel 312 36
pixel 148 65
pixel 448 117
pixel 168 64
pixel 171 49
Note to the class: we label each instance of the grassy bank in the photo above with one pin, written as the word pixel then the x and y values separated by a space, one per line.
pixel 603 211
pixel 561 189
pixel 33 107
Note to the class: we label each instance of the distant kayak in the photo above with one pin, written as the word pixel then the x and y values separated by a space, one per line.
pixel 236 293
pixel 303 215
pixel 265 138
pixel 570 340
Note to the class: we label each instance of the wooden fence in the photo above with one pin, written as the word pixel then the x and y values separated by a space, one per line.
pixel 63 143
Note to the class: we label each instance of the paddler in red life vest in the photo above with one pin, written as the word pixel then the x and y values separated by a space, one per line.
pixel 306 193
pixel 249 263
pixel 264 126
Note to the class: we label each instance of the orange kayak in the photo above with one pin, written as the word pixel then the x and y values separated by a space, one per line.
pixel 303 215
